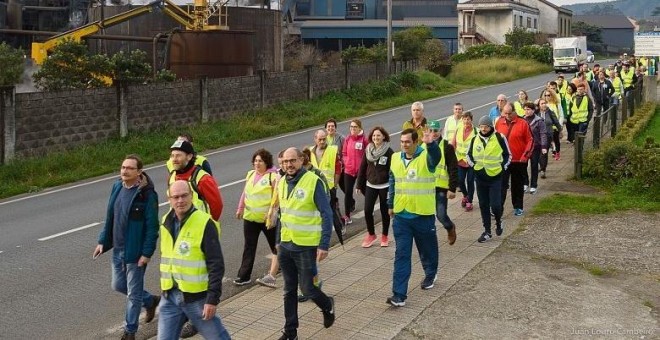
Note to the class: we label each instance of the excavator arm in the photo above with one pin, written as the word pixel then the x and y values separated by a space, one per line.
pixel 40 50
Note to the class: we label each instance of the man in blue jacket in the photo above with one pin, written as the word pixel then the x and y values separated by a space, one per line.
pixel 131 230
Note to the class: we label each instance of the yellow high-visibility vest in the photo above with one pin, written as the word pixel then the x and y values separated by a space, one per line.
pixel 414 189
pixel 300 217
pixel 462 144
pixel 257 197
pixel 182 260
pixel 199 160
pixel 327 163
pixel 580 114
pixel 627 77
pixel 194 178
pixel 518 107
pixel 487 157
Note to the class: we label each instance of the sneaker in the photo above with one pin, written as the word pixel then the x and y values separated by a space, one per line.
pixel 151 311
pixel 543 174
pixel 569 142
pixel 368 241
pixel 302 297
pixel 499 230
pixel 532 191
pixel 188 330
pixel 128 336
pixel 464 202
pixel 268 281
pixel 526 188
pixel 384 241
pixel 468 206
pixel 329 315
pixel 347 220
pixel 395 301
pixel 241 282
pixel 451 235
pixel 428 282
pixel 484 237
pixel 289 336
pixel 518 212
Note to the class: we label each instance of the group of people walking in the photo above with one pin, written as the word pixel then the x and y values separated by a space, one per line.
pixel 293 200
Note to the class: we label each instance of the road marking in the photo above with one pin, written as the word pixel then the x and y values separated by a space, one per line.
pixel 69 231
pixel 359 214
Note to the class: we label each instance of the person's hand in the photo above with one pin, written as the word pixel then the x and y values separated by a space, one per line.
pixel 321 255
pixel 97 251
pixel 427 136
pixel 239 215
pixel 209 311
pixel 143 261
pixel 451 195
pixel 544 151
pixel 390 212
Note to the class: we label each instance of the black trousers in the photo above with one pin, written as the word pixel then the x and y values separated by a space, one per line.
pixel 251 231
pixel 370 196
pixel 349 188
pixel 516 172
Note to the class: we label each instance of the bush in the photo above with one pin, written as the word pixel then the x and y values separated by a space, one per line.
pixel 542 54
pixel 12 65
pixel 409 43
pixel 434 57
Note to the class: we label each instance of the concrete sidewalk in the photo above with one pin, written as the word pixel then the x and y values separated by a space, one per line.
pixel 361 279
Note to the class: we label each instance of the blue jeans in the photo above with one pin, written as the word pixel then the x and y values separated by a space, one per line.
pixel 466 182
pixel 422 230
pixel 128 279
pixel 489 192
pixel 441 209
pixel 299 267
pixel 174 311
pixel 582 127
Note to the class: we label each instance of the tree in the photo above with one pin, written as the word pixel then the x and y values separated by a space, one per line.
pixel 593 33
pixel 72 66
pixel 519 37
pixel 434 57
pixel 656 11
pixel 409 43
pixel 12 63
pixel 606 9
pixel 131 67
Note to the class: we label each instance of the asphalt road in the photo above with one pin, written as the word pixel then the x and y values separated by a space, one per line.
pixel 52 289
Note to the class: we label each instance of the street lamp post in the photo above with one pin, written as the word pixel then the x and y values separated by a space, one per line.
pixel 389 36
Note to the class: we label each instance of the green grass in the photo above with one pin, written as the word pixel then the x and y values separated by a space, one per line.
pixel 495 70
pixel 36 174
pixel 651 130
pixel 591 268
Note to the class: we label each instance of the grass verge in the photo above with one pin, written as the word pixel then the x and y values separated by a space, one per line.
pixel 495 70
pixel 652 129
pixel 36 174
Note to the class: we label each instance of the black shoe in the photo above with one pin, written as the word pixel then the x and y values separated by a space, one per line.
pixel 188 330
pixel 395 301
pixel 151 310
pixel 241 282
pixel 128 336
pixel 289 336
pixel 499 230
pixel 329 315
pixel 428 282
pixel 484 237
pixel 302 298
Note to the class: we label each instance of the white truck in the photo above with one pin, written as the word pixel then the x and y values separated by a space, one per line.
pixel 569 53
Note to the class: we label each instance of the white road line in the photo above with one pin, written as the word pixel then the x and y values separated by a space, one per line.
pixel 69 231
pixel 360 214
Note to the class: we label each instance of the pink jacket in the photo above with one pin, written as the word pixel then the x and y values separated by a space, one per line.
pixel 353 152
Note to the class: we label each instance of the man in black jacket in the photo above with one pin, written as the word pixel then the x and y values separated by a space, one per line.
pixel 602 90
pixel 446 181
pixel 192 267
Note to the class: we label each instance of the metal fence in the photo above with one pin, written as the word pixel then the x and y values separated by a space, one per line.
pixel 605 125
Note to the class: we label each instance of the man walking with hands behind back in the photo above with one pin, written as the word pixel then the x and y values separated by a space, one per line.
pixel 191 268
pixel 131 230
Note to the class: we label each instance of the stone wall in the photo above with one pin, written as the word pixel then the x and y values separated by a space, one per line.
pixel 164 104
pixel 229 96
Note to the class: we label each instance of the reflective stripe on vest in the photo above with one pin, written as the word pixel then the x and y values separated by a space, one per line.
pixel 327 164
pixel 300 217
pixel 197 200
pixel 182 260
pixel 580 114
pixel 257 197
pixel 414 185
pixel 441 174
pixel 488 157
pixel 627 78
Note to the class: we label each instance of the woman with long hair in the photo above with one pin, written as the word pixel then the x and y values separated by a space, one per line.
pixel 352 154
pixel 553 102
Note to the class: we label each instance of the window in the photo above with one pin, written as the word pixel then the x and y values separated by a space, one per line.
pixel 355 9
pixel 514 20
pixel 520 21
pixel 529 22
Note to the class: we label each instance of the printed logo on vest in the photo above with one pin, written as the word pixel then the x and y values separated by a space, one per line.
pixel 412 174
pixel 264 181
pixel 299 194
pixel 184 248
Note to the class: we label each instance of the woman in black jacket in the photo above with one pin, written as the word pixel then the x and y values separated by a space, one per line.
pixel 372 182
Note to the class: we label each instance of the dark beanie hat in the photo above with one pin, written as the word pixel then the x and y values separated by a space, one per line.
pixel 182 145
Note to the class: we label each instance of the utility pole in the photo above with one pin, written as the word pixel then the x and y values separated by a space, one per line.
pixel 389 36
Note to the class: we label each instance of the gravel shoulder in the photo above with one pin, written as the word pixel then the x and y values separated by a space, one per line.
pixel 557 277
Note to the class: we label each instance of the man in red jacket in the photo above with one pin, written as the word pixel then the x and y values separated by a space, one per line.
pixel 521 143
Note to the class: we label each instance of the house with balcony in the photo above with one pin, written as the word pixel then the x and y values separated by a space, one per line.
pixel 332 25
pixel 487 21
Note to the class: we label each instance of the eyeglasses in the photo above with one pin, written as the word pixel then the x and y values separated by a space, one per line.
pixel 177 197
pixel 290 161
pixel 354 127
pixel 434 130
pixel 128 168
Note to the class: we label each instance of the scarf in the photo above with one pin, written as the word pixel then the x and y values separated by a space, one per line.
pixel 373 153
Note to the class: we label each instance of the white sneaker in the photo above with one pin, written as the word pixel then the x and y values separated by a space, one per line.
pixel 526 187
pixel 532 191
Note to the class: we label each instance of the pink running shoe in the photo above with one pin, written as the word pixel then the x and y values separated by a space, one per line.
pixel 384 241
pixel 464 201
pixel 368 241
pixel 468 206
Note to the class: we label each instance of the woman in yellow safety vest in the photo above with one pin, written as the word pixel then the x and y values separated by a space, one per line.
pixel 518 104
pixel 465 173
pixel 253 208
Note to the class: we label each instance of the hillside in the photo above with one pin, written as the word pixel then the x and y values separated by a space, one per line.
pixel 638 9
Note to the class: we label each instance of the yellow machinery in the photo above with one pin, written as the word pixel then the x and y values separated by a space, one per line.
pixel 195 19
